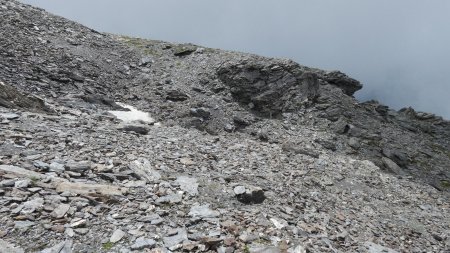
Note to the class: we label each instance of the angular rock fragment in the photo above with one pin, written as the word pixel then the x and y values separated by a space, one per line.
pixel 86 189
pixel 178 238
pixel 249 194
pixel 9 116
pixel 143 243
pixel 183 50
pixel 21 172
pixel 117 236
pixel 188 184
pixel 348 85
pixel 62 247
pixel 144 170
pixel 60 211
pixel 171 198
pixel 56 167
pixel 200 112
pixel 81 166
pixel 136 128
pixel 176 96
pixel 376 248
pixel 203 211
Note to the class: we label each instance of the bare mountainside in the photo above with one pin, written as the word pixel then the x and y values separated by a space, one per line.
pixel 241 153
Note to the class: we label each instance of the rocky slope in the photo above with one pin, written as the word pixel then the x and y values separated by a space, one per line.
pixel 245 153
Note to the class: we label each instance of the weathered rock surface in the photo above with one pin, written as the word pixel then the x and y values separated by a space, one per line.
pixel 250 154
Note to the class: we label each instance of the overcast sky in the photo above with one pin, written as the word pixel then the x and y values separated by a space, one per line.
pixel 399 50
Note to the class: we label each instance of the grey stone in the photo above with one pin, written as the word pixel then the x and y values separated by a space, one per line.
pixel 184 50
pixel 23 224
pixel 56 167
pixel 398 156
pixel 354 143
pixel 21 172
pixel 86 189
pixel 252 195
pixel 297 249
pixel 32 205
pixel 279 223
pixel 239 190
pixel 203 211
pixel 150 218
pixel 78 223
pixel 188 184
pixel 62 247
pixel 200 112
pixel 145 61
pixel 172 198
pixel 41 165
pixel 264 249
pixel 78 166
pixel 299 149
pixel 144 170
pixel 117 236
pixel 392 166
pixel 176 96
pixel 248 237
pixel 8 182
pixel 9 248
pixel 170 241
pixel 143 243
pixel 376 248
pixel 9 116
pixel 24 183
pixel 348 85
pixel 135 127
pixel 60 211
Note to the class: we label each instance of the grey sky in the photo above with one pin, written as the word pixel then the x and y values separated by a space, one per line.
pixel 399 50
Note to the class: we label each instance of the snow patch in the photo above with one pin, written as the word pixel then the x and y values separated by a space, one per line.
pixel 132 115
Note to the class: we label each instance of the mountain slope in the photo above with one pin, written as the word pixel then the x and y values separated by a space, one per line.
pixel 249 153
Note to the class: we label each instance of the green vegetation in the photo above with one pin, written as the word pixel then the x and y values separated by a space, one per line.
pixel 108 245
pixel 142 44
pixel 34 180
pixel 445 183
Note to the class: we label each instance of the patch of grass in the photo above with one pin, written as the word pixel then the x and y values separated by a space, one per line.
pixel 142 44
pixel 246 249
pixel 108 245
pixel 34 180
pixel 445 184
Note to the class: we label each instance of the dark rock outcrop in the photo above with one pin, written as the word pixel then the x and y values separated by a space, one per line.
pixel 269 87
pixel 10 97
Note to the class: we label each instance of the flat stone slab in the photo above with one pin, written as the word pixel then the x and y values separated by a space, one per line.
pixel 85 189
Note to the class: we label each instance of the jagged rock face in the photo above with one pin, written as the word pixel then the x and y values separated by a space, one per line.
pixel 341 80
pixel 273 87
pixel 10 97
pixel 268 87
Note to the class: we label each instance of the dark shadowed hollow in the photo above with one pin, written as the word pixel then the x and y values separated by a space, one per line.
pixel 397 49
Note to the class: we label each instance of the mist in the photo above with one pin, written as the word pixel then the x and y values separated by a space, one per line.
pixel 399 49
